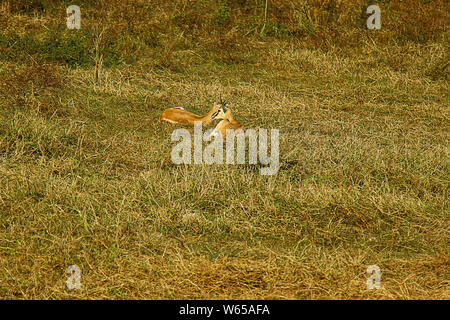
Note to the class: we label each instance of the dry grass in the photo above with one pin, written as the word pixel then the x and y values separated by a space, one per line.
pixel 86 176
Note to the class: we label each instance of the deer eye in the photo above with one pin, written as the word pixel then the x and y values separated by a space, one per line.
pixel 214 115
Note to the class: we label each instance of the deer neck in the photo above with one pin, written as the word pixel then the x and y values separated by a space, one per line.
pixel 230 117
pixel 206 118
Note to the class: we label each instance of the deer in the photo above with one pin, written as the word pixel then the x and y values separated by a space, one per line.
pixel 179 115
pixel 226 122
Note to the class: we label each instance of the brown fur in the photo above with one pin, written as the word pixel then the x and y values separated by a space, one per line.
pixel 179 115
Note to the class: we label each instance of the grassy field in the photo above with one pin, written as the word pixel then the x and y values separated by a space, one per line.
pixel 86 176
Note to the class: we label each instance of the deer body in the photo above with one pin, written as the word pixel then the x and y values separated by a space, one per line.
pixel 179 115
